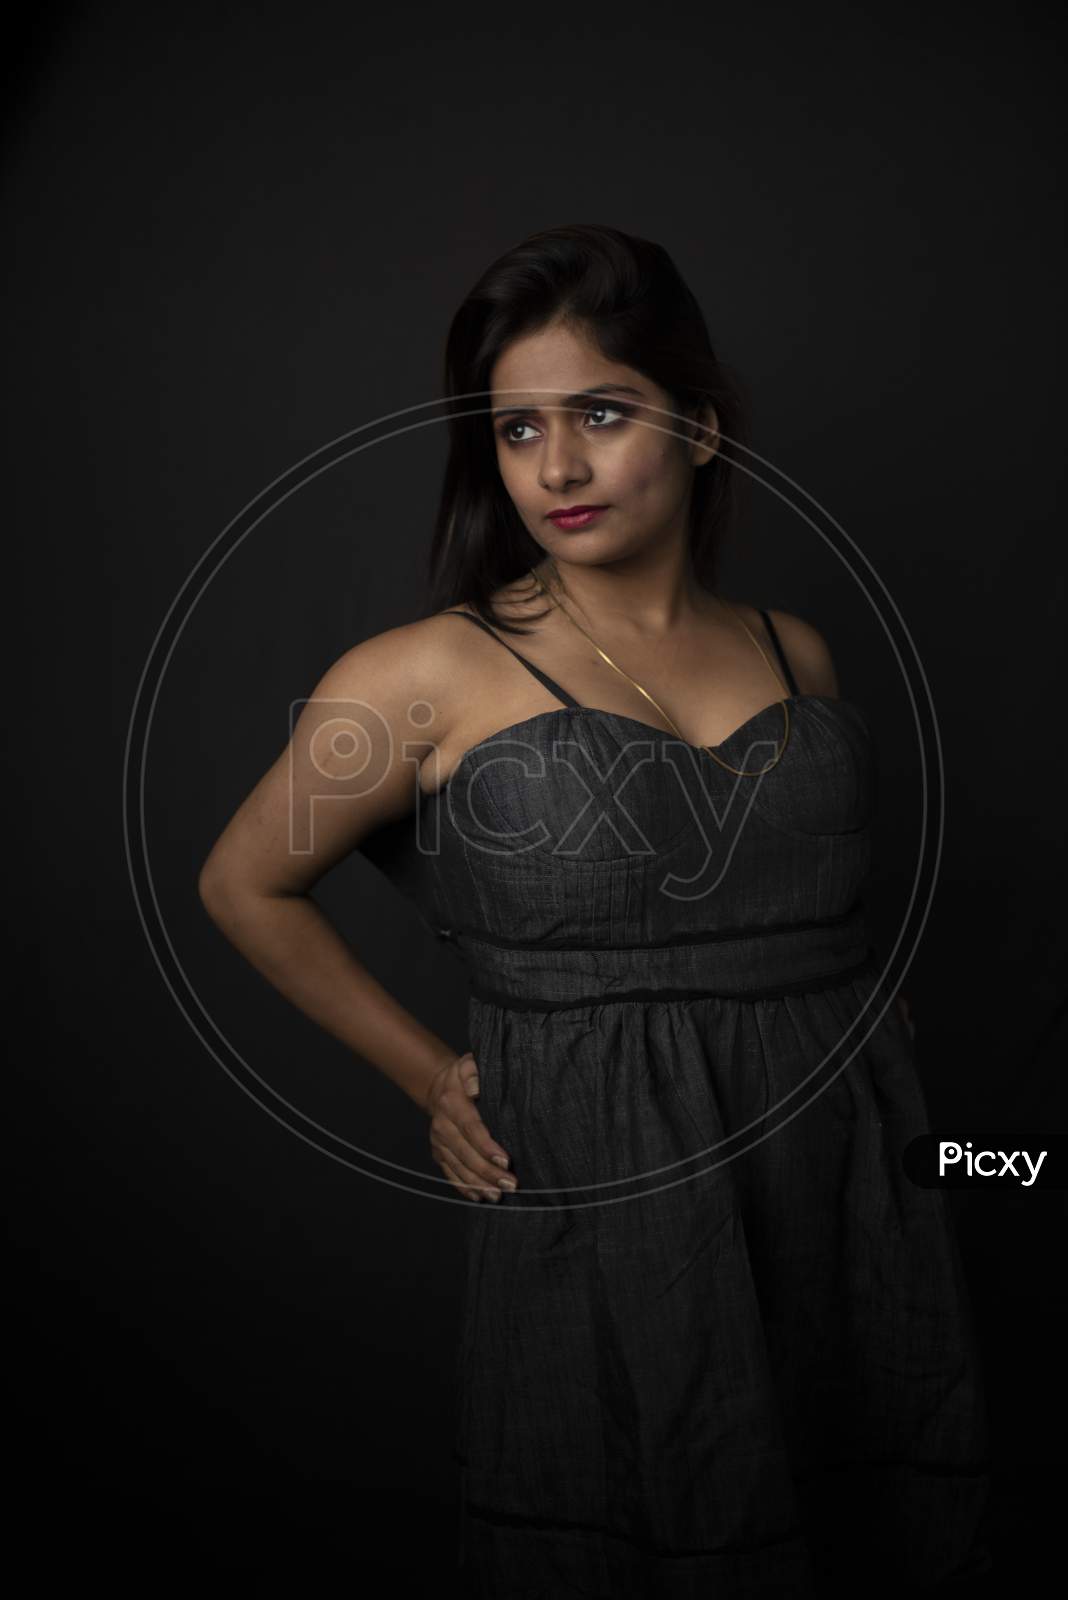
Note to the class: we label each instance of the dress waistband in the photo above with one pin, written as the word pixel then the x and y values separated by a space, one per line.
pixel 741 963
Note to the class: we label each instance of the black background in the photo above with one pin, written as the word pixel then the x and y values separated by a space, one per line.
pixel 235 234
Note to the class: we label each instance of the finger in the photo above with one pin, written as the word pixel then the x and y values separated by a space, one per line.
pixel 448 1141
pixel 464 1154
pixel 467 1070
pixel 468 1190
pixel 478 1144
pixel 470 1180
pixel 479 1150
pixel 467 1120
pixel 474 1167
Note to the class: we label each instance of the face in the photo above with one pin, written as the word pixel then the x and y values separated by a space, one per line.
pixel 610 449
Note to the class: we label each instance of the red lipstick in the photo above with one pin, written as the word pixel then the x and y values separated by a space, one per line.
pixel 575 516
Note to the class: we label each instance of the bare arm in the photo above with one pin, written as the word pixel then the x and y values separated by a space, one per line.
pixel 351 766
pixel 342 776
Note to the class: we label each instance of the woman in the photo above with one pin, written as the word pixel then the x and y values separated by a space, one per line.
pixel 715 1342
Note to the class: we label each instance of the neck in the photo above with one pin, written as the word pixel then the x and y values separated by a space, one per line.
pixel 647 594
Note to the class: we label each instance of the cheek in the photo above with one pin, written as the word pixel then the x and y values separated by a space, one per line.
pixel 512 478
pixel 657 474
pixel 654 481
pixel 651 470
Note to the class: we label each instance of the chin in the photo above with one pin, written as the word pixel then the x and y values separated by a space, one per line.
pixel 584 545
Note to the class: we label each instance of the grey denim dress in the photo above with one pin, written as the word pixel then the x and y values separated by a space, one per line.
pixel 717 1344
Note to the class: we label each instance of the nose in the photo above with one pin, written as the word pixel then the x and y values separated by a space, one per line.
pixel 562 462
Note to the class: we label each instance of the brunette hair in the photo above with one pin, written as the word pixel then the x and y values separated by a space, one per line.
pixel 628 296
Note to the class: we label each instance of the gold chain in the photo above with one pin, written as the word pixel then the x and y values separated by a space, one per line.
pixel 739 771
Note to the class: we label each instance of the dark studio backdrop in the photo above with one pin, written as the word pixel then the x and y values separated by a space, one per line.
pixel 235 234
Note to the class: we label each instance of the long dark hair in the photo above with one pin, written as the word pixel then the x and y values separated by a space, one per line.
pixel 628 296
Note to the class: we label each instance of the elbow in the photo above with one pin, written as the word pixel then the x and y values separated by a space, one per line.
pixel 227 894
pixel 211 887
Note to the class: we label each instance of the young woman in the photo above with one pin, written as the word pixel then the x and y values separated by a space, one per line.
pixel 715 1343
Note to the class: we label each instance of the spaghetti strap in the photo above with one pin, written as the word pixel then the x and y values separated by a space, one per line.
pixel 542 677
pixel 781 653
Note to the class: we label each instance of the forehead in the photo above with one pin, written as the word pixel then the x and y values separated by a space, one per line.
pixel 554 363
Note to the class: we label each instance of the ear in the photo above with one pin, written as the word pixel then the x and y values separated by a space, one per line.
pixel 705 435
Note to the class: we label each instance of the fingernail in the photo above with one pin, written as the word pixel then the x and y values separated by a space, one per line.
pixel 507 1183
pixel 502 1161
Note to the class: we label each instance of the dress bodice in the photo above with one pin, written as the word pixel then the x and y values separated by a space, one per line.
pixel 586 828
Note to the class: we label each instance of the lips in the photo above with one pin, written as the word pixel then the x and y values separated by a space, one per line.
pixel 575 516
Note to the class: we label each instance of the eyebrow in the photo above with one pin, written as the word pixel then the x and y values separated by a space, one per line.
pixel 575 399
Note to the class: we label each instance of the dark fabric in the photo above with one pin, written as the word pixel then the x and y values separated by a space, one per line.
pixel 717 1344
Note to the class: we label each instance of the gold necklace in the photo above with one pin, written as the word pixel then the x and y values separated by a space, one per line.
pixel 739 771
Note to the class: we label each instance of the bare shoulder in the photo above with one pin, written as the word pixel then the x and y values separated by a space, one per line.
pixel 805 647
pixel 404 654
pixel 359 742
pixel 405 674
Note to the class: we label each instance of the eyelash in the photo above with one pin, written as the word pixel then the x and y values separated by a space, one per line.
pixel 516 422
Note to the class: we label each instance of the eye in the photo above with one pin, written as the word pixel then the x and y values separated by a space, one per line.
pixel 505 428
pixel 620 411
